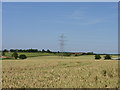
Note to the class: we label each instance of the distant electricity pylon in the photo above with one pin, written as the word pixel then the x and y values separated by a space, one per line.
pixel 62 43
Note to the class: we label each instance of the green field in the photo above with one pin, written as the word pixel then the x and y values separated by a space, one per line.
pixel 60 72
pixel 35 54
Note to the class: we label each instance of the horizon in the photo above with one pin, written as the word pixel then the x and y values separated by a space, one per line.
pixel 59 50
pixel 87 26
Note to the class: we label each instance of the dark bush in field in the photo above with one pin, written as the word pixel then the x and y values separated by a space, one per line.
pixel 22 56
pixel 15 55
pixel 97 57
pixel 76 54
pixel 107 57
pixel 3 53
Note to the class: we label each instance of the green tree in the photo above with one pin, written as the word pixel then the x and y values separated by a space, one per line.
pixel 5 50
pixel 3 53
pixel 15 55
pixel 107 57
pixel 43 50
pixel 48 51
pixel 22 56
pixel 97 56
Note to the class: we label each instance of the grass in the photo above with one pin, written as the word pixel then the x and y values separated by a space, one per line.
pixel 28 54
pixel 57 72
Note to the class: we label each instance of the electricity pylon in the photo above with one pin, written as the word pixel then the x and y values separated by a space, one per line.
pixel 62 44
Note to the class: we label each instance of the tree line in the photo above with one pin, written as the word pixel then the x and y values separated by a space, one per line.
pixel 15 54
pixel 27 50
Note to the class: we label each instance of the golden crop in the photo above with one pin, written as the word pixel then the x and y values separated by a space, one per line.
pixel 57 72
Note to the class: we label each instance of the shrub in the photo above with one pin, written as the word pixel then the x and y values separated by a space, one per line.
pixel 22 56
pixel 76 55
pixel 97 57
pixel 3 53
pixel 107 57
pixel 15 55
pixel 83 54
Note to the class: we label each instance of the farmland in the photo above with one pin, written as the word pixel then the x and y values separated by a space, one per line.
pixel 30 54
pixel 60 72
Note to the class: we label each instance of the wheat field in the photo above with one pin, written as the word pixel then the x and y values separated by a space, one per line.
pixel 60 72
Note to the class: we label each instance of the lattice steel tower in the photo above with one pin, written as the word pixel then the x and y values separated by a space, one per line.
pixel 62 43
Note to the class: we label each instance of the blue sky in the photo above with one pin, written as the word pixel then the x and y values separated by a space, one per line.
pixel 87 26
pixel 0 26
